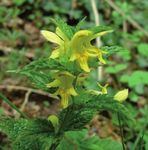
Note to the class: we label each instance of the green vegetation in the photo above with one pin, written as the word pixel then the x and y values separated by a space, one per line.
pixel 25 62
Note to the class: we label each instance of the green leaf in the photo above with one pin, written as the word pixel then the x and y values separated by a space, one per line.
pixel 85 106
pixel 75 117
pixel 80 24
pixel 143 49
pixel 135 79
pixel 19 3
pixel 98 29
pixel 80 140
pixel 115 49
pixel 41 64
pixel 38 71
pixel 27 134
pixel 133 96
pixel 115 69
pixel 65 28
pixel 39 79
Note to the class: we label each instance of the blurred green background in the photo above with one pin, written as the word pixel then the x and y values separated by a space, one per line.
pixel 21 42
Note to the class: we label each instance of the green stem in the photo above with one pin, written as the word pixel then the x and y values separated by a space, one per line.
pixel 55 144
pixel 60 133
pixel 121 131
pixel 5 99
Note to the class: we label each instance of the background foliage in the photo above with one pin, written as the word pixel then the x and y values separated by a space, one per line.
pixel 21 42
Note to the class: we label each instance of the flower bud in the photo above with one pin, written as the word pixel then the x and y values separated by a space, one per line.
pixel 121 95
pixel 55 121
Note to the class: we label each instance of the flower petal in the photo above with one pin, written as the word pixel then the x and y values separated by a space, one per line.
pixel 83 63
pixel 73 57
pixel 101 59
pixel 61 34
pixel 54 83
pixel 55 54
pixel 72 91
pixel 100 34
pixel 64 100
pixel 52 37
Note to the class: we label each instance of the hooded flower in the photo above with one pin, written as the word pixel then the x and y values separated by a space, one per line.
pixel 79 48
pixel 64 82
pixel 121 95
pixel 82 49
pixel 58 38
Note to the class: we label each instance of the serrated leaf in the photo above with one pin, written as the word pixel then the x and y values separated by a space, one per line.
pixel 39 79
pixel 75 117
pixel 113 49
pixel 116 68
pixel 28 134
pixel 64 27
pixel 80 24
pixel 136 78
pixel 98 29
pixel 44 63
pixel 80 113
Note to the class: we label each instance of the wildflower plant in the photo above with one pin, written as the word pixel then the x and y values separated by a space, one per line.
pixel 63 74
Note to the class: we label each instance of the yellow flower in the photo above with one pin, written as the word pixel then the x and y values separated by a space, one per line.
pixel 58 38
pixel 103 90
pixel 64 82
pixel 55 121
pixel 79 48
pixel 121 95
pixel 82 49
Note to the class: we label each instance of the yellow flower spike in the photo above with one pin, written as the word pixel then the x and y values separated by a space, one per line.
pixel 64 82
pixel 55 121
pixel 121 95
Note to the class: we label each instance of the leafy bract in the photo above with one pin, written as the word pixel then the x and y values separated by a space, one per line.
pixel 66 29
pixel 81 112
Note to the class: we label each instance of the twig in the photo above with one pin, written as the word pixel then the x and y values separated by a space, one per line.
pixel 25 100
pixel 97 22
pixel 5 99
pixel 129 18
pixel 40 92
